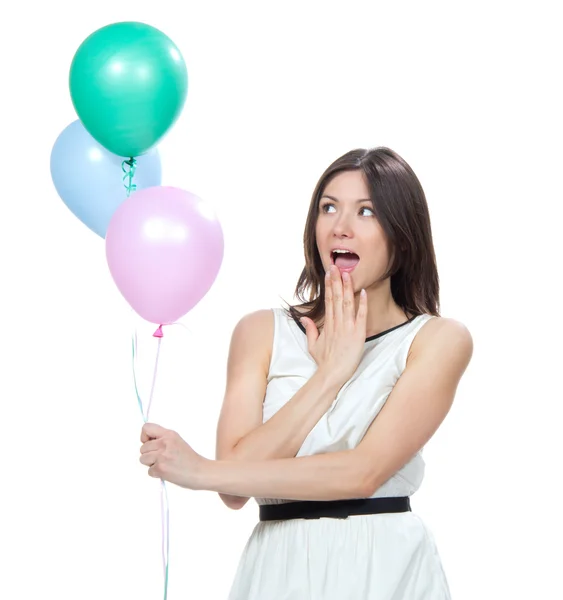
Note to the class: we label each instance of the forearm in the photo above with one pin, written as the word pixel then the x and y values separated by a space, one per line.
pixel 284 433
pixel 331 476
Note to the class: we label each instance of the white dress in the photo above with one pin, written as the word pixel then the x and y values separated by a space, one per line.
pixel 388 556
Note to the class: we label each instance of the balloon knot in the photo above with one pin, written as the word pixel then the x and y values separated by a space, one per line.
pixel 158 333
pixel 129 173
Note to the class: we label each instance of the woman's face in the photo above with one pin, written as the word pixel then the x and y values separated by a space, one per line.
pixel 347 232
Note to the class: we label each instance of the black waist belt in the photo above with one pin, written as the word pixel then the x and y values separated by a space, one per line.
pixel 335 509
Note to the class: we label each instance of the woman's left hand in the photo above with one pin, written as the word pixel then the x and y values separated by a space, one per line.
pixel 170 458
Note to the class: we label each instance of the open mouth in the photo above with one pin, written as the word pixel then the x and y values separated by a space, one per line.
pixel 345 260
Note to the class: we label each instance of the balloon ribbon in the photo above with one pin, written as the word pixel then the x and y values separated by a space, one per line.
pixel 165 513
pixel 129 173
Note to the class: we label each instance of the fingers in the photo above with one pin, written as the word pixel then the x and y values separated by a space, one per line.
pixel 362 314
pixel 310 330
pixel 340 303
pixel 151 431
pixel 348 302
pixel 150 446
pixel 148 459
pixel 328 325
pixel 337 296
pixel 150 452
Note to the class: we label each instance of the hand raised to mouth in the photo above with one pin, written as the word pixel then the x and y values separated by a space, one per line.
pixel 338 348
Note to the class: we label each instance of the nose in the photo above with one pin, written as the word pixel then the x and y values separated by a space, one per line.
pixel 342 227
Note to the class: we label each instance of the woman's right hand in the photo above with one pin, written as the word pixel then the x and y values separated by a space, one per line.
pixel 338 349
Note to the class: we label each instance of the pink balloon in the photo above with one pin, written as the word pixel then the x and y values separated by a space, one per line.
pixel 164 248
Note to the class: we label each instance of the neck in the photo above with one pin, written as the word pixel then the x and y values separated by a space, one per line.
pixel 383 312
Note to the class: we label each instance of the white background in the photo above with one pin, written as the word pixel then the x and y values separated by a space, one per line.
pixel 468 93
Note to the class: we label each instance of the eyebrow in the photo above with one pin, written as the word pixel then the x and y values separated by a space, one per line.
pixel 336 199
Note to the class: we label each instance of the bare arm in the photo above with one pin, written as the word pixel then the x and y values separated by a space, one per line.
pixel 241 433
pixel 414 410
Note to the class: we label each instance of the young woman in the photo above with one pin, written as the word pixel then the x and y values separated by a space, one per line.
pixel 329 403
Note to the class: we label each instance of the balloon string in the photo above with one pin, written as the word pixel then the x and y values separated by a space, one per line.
pixel 164 507
pixel 129 173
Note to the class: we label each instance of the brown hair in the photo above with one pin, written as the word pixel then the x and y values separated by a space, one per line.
pixel 400 206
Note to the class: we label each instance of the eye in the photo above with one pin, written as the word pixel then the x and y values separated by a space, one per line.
pixel 326 206
pixel 371 213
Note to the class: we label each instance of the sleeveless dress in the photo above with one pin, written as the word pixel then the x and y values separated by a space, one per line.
pixel 377 557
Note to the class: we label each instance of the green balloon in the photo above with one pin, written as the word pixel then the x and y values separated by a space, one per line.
pixel 128 83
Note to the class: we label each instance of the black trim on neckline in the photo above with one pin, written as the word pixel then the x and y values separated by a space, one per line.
pixel 371 337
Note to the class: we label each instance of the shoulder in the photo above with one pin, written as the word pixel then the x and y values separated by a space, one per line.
pixel 255 321
pixel 443 338
pixel 254 333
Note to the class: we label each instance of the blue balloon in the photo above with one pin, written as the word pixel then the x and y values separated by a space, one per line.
pixel 89 178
